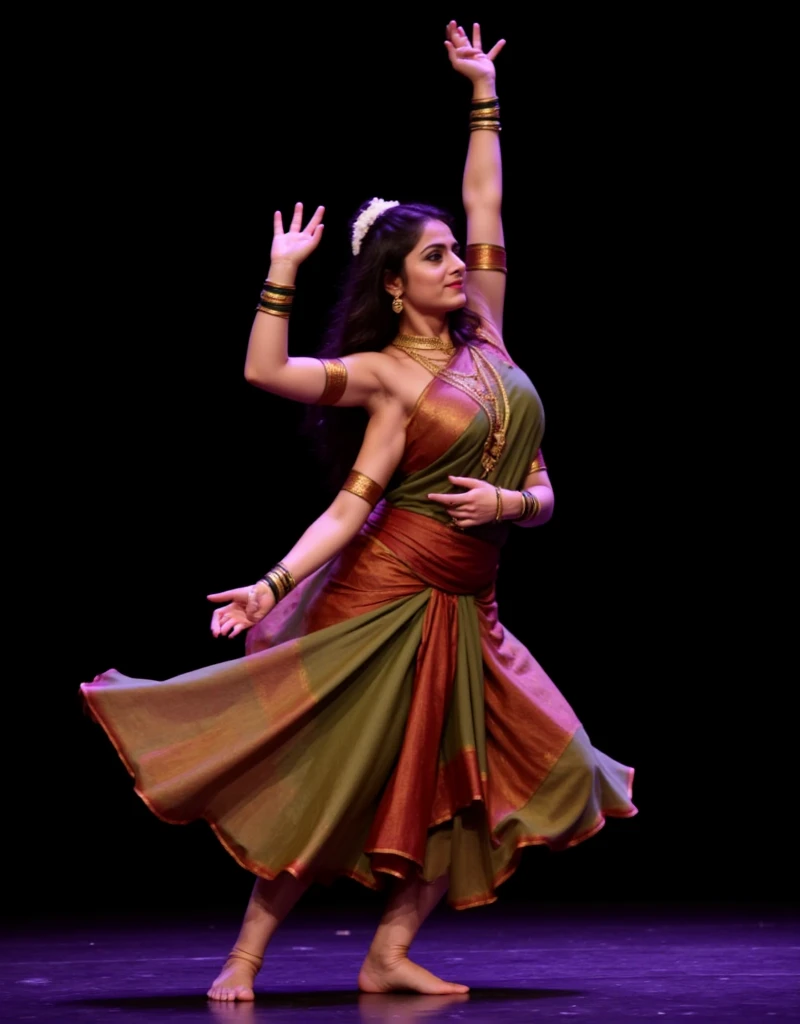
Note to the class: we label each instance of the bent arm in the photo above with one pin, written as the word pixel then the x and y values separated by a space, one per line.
pixel 537 483
pixel 269 366
pixel 542 490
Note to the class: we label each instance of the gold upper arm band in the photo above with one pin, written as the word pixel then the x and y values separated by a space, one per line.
pixel 485 256
pixel 362 486
pixel 538 464
pixel 335 381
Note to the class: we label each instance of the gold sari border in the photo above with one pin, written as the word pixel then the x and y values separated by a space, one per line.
pixel 538 464
pixel 536 840
pixel 297 869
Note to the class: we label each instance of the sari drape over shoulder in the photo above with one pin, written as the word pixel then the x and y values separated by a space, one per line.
pixel 383 722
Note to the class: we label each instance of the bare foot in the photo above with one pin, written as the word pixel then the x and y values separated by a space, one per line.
pixel 403 975
pixel 244 1013
pixel 235 980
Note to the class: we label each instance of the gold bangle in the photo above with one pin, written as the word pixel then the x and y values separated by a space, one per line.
pixel 535 508
pixel 335 381
pixel 276 299
pixel 272 312
pixel 275 592
pixel 486 256
pixel 291 580
pixel 273 582
pixel 284 289
pixel 363 487
pixel 526 506
pixel 279 580
pixel 499 513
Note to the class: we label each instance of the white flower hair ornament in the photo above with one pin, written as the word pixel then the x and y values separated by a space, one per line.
pixel 367 218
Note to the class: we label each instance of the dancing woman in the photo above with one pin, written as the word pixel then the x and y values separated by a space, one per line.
pixel 383 724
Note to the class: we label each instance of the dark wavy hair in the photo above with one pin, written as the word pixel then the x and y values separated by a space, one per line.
pixel 362 321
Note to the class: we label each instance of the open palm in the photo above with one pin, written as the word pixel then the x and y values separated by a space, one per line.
pixel 294 245
pixel 468 57
pixel 246 607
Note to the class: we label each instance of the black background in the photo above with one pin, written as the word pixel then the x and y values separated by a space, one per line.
pixel 166 476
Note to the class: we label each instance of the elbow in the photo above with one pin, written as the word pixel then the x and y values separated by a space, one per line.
pixel 546 505
pixel 251 376
pixel 257 377
pixel 549 506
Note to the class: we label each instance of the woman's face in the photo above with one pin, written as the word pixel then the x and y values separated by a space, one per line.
pixel 434 272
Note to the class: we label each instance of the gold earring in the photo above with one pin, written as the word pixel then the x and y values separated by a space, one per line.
pixel 397 304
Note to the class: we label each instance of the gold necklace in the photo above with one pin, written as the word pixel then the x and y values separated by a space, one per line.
pixel 413 342
pixel 478 385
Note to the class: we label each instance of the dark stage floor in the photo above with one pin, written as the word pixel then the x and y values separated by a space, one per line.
pixel 595 964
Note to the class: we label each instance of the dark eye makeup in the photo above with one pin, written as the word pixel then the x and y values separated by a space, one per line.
pixel 438 252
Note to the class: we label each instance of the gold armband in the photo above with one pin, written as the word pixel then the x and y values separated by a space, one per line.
pixel 335 381
pixel 362 486
pixel 485 256
pixel 538 465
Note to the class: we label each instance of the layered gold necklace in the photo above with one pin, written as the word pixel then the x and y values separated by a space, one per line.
pixel 413 343
pixel 484 385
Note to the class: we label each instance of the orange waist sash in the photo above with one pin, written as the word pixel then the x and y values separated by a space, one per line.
pixel 439 555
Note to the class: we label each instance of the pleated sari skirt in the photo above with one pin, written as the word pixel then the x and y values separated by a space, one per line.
pixel 383 723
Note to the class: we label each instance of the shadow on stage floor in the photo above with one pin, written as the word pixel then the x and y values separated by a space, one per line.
pixel 596 963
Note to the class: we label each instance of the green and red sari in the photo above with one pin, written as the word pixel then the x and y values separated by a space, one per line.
pixel 383 722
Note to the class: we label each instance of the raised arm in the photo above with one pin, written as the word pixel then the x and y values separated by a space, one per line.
pixel 268 364
pixel 482 186
pixel 377 460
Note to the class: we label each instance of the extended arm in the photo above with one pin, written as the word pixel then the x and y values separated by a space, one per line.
pixel 377 459
pixel 482 185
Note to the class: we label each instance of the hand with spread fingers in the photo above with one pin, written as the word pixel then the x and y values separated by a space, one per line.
pixel 468 57
pixel 474 507
pixel 296 244
pixel 248 605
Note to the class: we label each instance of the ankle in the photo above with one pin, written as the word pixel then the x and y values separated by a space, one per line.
pixel 253 960
pixel 387 957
